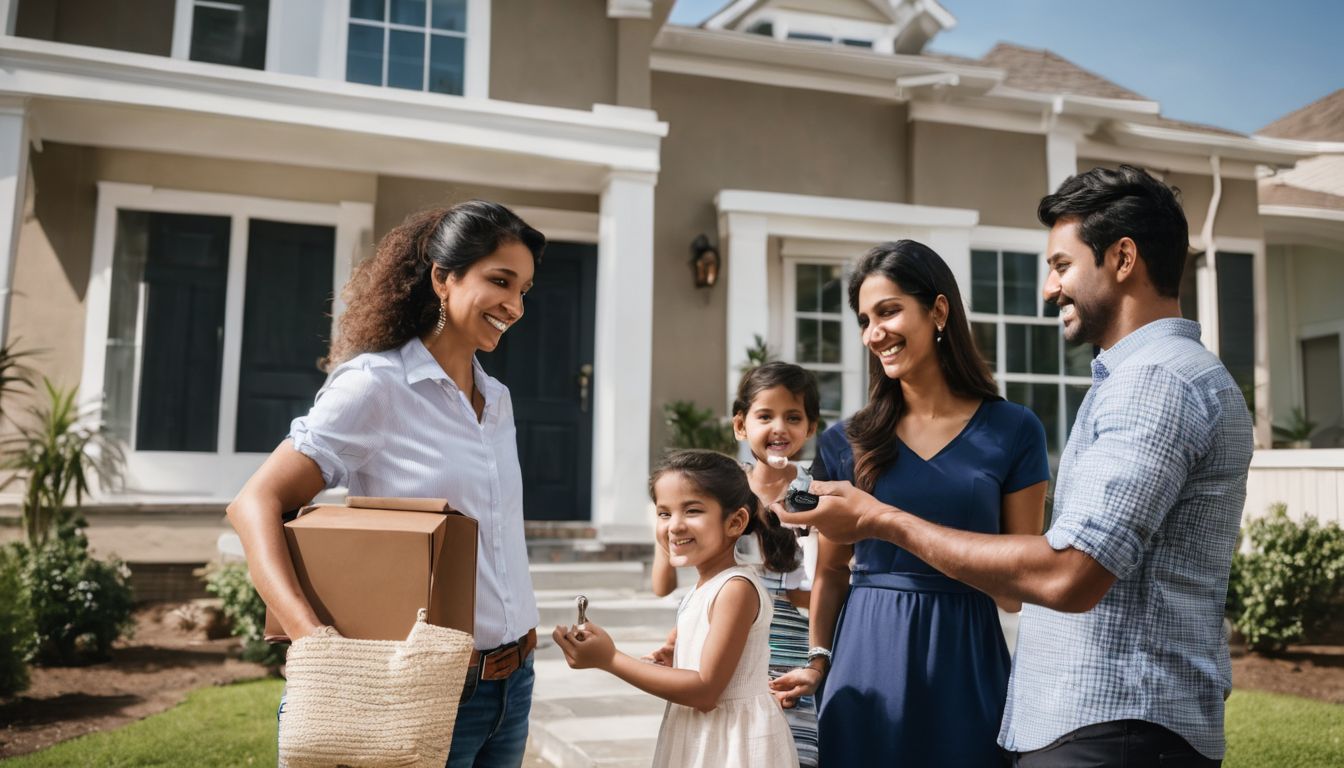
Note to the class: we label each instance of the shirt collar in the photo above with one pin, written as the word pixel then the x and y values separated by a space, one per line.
pixel 421 365
pixel 1111 359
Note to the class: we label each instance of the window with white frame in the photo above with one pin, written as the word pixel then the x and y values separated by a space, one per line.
pixel 820 336
pixel 420 45
pixel 1019 335
pixel 231 32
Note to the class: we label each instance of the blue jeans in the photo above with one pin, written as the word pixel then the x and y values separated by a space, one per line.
pixel 491 727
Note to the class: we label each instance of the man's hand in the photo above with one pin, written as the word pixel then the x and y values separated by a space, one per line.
pixel 844 513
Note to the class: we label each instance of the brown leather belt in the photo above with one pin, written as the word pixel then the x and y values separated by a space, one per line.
pixel 499 663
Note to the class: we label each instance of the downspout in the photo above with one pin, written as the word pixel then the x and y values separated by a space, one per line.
pixel 1206 279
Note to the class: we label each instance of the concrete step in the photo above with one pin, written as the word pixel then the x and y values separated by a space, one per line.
pixel 611 610
pixel 587 718
pixel 581 576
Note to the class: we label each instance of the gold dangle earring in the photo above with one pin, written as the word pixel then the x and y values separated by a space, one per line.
pixel 443 317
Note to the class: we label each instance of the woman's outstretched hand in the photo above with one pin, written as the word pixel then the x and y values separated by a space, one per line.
pixel 844 514
pixel 794 684
pixel 587 648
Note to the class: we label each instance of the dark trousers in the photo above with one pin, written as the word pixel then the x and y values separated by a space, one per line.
pixel 1117 744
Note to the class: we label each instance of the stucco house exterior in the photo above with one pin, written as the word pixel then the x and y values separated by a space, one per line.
pixel 186 185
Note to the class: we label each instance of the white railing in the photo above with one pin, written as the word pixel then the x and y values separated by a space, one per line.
pixel 1309 481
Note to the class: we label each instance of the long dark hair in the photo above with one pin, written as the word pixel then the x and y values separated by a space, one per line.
pixel 922 274
pixel 390 297
pixel 795 378
pixel 722 478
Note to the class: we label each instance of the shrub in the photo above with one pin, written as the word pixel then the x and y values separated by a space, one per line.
pixel 691 427
pixel 245 611
pixel 18 636
pixel 1287 585
pixel 81 605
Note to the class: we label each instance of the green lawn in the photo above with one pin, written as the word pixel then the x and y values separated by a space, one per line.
pixel 221 727
pixel 235 726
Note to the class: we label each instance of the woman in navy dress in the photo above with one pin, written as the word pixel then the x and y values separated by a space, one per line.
pixel 918 671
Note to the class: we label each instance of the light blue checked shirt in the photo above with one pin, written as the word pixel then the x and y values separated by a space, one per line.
pixel 1151 485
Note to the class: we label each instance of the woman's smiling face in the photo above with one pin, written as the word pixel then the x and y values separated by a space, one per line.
pixel 897 328
pixel 488 298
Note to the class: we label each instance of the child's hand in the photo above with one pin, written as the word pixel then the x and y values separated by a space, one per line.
pixel 591 648
pixel 794 684
pixel 664 656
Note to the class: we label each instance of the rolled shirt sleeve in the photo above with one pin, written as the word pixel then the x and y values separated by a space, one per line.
pixel 342 430
pixel 1133 472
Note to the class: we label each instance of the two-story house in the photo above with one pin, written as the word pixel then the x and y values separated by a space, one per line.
pixel 187 184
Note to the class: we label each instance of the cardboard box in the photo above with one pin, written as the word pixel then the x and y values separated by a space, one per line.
pixel 368 566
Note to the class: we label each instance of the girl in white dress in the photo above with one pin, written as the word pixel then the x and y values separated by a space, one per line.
pixel 720 712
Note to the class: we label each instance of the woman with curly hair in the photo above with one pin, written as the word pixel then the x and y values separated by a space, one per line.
pixel 408 411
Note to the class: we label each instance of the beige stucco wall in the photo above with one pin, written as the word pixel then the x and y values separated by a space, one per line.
pixel 51 272
pixel 550 53
pixel 731 135
pixel 142 26
pixel 999 173
pixel 399 197
pixel 1238 208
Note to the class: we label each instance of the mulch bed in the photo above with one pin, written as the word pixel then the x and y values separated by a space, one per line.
pixel 1309 671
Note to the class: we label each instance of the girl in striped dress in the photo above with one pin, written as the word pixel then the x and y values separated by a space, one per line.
pixel 776 411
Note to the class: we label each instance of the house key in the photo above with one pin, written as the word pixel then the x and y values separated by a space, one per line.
pixel 582 602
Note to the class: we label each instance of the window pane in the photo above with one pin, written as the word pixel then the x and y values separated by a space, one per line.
pixel 1078 359
pixel 828 382
pixel 809 341
pixel 186 267
pixel 409 12
pixel 445 64
pixel 364 56
pixel 985 282
pixel 986 341
pixel 406 60
pixel 830 341
pixel 234 35
pixel 1032 348
pixel 450 15
pixel 128 270
pixel 1236 321
pixel 831 291
pixel 1019 284
pixel 367 9
pixel 1049 308
pixel 807 292
pixel 1073 398
pixel 1043 400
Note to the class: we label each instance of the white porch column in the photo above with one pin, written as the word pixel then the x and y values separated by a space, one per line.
pixel 1264 398
pixel 623 364
pixel 13 188
pixel 1061 158
pixel 743 246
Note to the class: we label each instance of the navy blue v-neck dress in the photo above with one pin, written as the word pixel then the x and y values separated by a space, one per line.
pixel 920 669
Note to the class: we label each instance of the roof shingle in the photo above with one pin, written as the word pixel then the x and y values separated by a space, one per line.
pixel 1321 120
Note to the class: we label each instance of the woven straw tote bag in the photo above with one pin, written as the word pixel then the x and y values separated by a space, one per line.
pixel 367 703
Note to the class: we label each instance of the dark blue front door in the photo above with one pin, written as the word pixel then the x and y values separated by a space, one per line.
pixel 546 362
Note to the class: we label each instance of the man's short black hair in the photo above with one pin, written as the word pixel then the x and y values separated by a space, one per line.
pixel 1125 202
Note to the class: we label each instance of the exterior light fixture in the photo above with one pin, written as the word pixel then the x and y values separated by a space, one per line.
pixel 705 262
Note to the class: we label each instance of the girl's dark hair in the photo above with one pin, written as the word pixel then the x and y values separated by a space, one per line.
pixel 390 298
pixel 922 274
pixel 1126 202
pixel 722 477
pixel 795 378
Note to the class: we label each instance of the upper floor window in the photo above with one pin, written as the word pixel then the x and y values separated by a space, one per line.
pixel 415 44
pixel 231 32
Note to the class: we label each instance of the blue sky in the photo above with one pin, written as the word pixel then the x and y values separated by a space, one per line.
pixel 1238 64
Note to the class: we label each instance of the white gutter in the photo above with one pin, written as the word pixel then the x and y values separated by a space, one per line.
pixel 1206 278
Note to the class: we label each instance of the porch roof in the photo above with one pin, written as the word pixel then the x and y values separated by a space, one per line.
pixel 81 95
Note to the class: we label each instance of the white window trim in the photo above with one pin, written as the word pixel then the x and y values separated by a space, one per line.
pixel 219 474
pixel 851 365
pixel 336 25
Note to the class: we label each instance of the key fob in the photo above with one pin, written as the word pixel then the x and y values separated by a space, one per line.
pixel 798 500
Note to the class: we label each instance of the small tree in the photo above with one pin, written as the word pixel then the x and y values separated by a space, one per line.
pixel 689 426
pixel 54 455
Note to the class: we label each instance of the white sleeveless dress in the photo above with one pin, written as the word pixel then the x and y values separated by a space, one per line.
pixel 747 729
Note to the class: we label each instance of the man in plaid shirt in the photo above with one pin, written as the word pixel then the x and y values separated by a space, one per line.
pixel 1121 658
